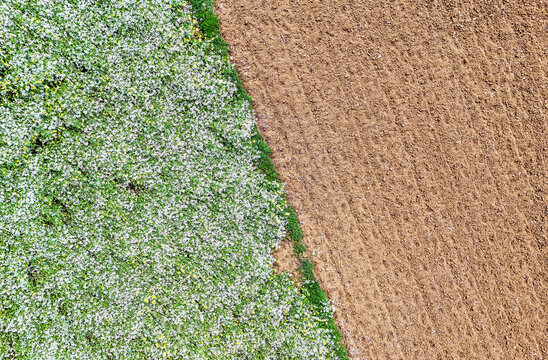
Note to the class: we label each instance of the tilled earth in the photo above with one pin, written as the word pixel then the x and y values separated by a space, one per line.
pixel 412 139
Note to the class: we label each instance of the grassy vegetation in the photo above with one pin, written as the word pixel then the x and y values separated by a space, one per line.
pixel 133 221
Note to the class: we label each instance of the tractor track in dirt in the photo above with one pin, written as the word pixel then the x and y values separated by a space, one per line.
pixel 412 139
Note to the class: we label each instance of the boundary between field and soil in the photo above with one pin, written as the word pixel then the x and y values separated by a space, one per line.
pixel 209 25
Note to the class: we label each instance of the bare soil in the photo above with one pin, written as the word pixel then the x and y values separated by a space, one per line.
pixel 286 260
pixel 412 139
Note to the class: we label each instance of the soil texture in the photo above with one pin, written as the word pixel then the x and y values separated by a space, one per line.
pixel 411 136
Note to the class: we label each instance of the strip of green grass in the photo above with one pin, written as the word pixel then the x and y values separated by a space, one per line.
pixel 209 24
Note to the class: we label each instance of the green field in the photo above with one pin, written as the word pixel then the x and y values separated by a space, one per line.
pixel 138 207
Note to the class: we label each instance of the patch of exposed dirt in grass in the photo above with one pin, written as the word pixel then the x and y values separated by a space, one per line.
pixel 286 261
pixel 412 139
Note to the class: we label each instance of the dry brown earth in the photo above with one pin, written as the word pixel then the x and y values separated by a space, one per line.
pixel 412 139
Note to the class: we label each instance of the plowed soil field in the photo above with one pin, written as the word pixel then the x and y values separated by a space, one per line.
pixel 412 139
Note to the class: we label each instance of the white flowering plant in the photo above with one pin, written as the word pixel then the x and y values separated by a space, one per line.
pixel 134 221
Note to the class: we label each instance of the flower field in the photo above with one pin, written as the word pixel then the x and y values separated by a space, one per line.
pixel 134 220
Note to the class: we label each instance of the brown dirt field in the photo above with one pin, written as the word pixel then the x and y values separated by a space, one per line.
pixel 412 139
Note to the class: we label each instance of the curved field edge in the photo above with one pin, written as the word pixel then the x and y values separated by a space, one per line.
pixel 116 244
pixel 210 26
